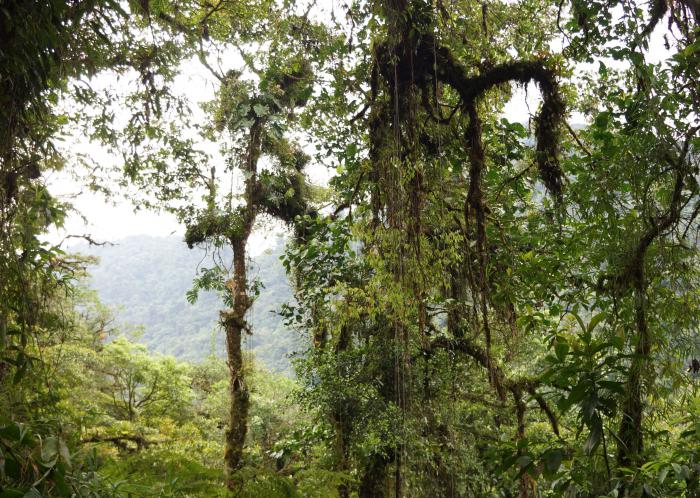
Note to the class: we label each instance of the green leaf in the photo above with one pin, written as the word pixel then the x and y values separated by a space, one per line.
pixel 192 295
pixel 596 320
pixel 594 438
pixel 261 110
pixel 561 348
pixel 579 320
pixel 589 405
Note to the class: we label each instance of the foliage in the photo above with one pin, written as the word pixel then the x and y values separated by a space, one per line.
pixel 127 421
pixel 489 307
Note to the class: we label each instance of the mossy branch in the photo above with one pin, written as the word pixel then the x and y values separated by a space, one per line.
pixel 446 69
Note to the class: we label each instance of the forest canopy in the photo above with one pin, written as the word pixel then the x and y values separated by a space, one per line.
pixel 488 302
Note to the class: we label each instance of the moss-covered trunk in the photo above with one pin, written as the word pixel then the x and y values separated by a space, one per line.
pixel 233 321
pixel 630 437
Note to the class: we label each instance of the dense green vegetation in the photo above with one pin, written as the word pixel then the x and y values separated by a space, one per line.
pixel 485 305
pixel 149 424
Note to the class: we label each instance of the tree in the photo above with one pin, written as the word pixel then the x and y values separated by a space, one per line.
pixel 249 119
pixel 281 194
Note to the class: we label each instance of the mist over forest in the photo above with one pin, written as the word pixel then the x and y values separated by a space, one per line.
pixel 145 280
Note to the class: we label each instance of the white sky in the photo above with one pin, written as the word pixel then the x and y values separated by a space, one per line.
pixel 113 220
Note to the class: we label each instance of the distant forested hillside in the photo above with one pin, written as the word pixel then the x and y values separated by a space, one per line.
pixel 145 279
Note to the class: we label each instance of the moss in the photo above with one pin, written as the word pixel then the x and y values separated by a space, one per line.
pixel 215 224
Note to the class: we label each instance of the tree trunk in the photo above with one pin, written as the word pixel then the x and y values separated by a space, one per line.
pixel 233 320
pixel 234 324
pixel 344 418
pixel 630 438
